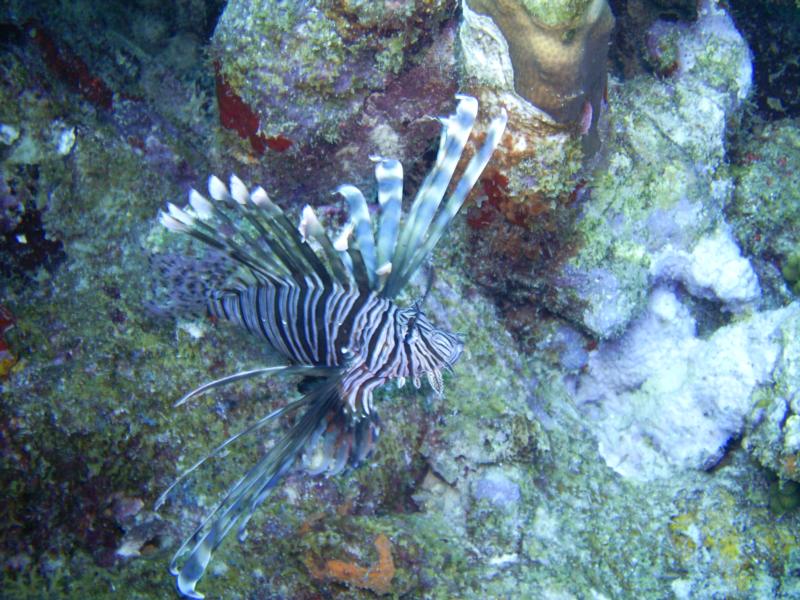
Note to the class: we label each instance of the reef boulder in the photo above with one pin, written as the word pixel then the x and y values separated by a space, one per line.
pixel 659 196
pixel 772 433
pixel 662 398
pixel 303 69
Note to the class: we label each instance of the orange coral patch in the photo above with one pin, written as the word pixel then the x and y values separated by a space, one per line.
pixel 377 578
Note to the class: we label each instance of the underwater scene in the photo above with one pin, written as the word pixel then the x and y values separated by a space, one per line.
pixel 429 299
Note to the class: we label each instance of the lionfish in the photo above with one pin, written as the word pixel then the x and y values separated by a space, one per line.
pixel 326 305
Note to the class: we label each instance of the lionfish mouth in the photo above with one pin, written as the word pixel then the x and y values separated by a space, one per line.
pixel 458 348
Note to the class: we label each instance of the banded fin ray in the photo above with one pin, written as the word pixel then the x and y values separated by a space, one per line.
pixel 238 505
pixel 278 253
pixel 305 370
pixel 263 267
pixel 427 221
pixel 387 265
pixel 453 205
pixel 284 369
pixel 311 228
pixel 216 451
pixel 362 229
pixel 275 228
pixel 281 251
pixel 389 174
pixel 455 132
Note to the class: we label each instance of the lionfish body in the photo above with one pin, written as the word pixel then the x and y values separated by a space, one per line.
pixel 327 306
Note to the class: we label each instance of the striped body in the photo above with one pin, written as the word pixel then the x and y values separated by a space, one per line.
pixel 332 327
pixel 327 305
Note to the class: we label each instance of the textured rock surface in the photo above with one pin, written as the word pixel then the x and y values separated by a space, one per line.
pixel 661 399
pixel 664 185
pixel 305 68
pixel 714 270
pixel 764 210
pixel 521 224
pixel 773 426
pixel 496 491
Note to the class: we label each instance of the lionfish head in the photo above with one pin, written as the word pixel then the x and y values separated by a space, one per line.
pixel 428 349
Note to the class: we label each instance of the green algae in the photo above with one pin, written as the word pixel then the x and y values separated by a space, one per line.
pixel 96 377
pixel 737 549
pixel 764 210
pixel 551 172
pixel 784 496
pixel 556 14
pixel 791 272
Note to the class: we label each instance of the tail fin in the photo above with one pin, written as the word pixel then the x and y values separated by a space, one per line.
pixel 182 284
pixel 320 430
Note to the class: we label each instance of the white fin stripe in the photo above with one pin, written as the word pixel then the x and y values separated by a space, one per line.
pixel 456 200
pixel 455 133
pixel 389 174
pixel 359 216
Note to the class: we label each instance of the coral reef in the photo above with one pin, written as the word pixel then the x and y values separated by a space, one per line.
pixel 588 247
pixel 764 211
pixel 70 68
pixel 496 491
pixel 629 55
pixel 7 359
pixel 558 52
pixel 661 399
pixel 773 425
pixel 521 225
pixel 664 185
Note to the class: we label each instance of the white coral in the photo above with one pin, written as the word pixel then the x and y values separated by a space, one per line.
pixel 714 269
pixel 660 398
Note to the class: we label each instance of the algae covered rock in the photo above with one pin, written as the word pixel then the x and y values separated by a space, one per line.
pixel 772 435
pixel 791 271
pixel 764 209
pixel 305 68
pixel 589 244
pixel 663 185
